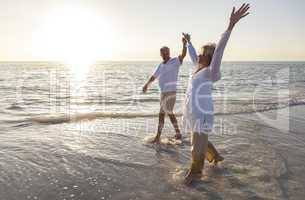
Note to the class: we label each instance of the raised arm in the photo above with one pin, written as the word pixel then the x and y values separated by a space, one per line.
pixel 238 15
pixel 217 56
pixel 219 51
pixel 184 50
pixel 191 49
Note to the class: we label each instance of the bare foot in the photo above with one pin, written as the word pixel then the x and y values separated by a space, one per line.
pixel 178 136
pixel 156 140
pixel 190 177
pixel 218 158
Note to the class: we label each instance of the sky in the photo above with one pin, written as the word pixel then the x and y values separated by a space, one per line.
pixel 83 30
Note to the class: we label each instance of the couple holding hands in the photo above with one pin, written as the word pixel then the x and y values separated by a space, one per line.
pixel 198 115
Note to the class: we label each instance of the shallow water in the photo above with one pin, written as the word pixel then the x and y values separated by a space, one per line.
pixel 77 133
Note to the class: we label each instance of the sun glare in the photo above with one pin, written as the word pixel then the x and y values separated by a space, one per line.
pixel 76 35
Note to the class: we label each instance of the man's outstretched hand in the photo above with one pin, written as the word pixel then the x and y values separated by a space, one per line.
pixel 145 88
pixel 238 15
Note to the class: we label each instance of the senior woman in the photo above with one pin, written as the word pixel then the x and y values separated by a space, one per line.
pixel 199 112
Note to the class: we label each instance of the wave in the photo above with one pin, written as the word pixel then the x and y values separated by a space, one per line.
pixel 249 108
pixel 14 107
pixel 77 117
pixel 65 118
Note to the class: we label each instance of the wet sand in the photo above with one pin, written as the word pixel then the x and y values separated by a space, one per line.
pixel 263 160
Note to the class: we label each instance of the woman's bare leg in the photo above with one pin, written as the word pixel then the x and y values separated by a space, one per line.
pixel 212 154
pixel 199 150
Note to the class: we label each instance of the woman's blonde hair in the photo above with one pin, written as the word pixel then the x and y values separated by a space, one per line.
pixel 208 49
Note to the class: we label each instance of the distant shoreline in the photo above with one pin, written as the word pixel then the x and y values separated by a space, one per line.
pixel 150 61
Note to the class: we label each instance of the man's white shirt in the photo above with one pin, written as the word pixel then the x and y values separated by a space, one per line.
pixel 167 73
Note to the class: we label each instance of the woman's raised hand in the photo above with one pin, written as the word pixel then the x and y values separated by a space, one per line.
pixel 187 37
pixel 238 15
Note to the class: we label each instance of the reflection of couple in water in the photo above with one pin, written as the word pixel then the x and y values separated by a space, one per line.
pixel 198 116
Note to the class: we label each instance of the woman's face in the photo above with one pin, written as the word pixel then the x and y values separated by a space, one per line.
pixel 204 60
pixel 206 55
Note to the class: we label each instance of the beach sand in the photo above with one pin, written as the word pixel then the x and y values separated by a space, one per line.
pixel 264 159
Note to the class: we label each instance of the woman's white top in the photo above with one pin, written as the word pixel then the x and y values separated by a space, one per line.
pixel 199 109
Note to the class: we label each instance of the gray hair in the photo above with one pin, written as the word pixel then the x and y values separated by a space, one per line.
pixel 164 48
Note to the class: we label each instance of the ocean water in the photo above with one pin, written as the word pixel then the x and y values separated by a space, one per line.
pixel 76 132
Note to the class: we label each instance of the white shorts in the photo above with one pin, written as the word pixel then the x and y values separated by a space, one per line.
pixel 167 102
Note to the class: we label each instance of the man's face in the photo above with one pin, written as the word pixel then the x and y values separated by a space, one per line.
pixel 165 53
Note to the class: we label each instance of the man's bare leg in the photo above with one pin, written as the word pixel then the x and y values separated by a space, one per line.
pixel 160 127
pixel 174 121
